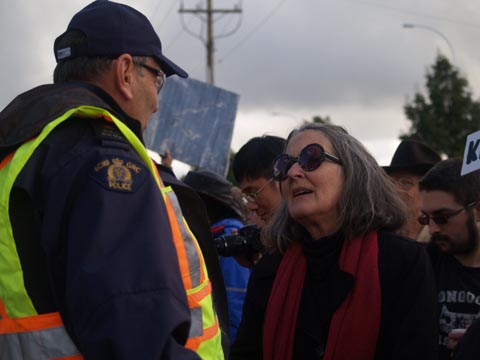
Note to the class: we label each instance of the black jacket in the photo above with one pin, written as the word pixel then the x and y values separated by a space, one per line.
pixel 408 328
pixel 98 252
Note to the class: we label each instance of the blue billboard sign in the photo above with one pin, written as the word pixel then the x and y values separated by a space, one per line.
pixel 195 122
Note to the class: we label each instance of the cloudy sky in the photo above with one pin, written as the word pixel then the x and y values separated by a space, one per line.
pixel 288 60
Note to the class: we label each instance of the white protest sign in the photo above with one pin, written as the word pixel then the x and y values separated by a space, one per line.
pixel 471 156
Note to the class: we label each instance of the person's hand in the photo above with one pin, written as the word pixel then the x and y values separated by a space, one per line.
pixel 454 338
pixel 167 158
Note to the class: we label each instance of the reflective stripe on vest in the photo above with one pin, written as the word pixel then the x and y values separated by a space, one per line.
pixel 204 336
pixel 31 338
pixel 23 333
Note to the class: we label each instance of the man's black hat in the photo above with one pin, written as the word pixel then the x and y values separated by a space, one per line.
pixel 413 156
pixel 215 187
pixel 113 29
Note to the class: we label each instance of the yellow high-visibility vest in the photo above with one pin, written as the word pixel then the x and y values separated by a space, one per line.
pixel 25 334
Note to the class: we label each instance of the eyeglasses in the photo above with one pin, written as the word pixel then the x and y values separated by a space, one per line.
pixel 404 183
pixel 424 219
pixel 252 197
pixel 310 158
pixel 159 75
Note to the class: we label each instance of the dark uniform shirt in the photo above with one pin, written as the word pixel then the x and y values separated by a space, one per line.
pixel 92 232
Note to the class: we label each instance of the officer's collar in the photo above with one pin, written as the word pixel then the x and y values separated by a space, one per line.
pixel 132 123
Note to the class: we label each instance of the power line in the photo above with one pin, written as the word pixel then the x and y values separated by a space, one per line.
pixel 254 30
pixel 209 12
pixel 167 14
pixel 416 13
pixel 176 37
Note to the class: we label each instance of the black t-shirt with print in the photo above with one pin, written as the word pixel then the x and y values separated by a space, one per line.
pixel 458 294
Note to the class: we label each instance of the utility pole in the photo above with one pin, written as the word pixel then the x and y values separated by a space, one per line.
pixel 209 41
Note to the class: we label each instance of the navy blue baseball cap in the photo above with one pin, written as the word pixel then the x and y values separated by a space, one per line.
pixel 113 29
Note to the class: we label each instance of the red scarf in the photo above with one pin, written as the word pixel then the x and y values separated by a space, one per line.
pixel 355 325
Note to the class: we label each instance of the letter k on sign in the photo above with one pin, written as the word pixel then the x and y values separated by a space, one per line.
pixel 471 161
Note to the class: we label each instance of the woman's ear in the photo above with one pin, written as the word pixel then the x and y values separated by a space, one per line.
pixel 124 74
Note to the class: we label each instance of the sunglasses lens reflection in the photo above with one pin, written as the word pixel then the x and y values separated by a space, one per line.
pixel 423 220
pixel 311 157
pixel 281 166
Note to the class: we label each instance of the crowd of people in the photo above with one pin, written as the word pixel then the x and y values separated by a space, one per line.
pixel 318 253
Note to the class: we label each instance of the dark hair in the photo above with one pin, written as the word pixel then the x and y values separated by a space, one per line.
pixel 445 176
pixel 255 158
pixel 82 68
pixel 368 201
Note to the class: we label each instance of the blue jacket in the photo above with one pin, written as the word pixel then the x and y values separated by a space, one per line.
pixel 235 276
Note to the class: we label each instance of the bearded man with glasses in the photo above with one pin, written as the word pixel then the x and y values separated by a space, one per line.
pixel 451 209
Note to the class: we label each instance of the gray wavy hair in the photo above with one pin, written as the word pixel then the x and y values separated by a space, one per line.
pixel 369 200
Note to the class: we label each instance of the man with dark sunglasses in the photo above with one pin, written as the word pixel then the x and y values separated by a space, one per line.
pixel 451 209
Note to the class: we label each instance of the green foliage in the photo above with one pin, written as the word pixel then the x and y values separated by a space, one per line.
pixel 447 114
pixel 319 119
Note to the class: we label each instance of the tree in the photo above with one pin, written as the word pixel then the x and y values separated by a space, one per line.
pixel 319 120
pixel 447 114
pixel 322 120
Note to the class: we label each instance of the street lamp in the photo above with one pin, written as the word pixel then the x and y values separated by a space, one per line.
pixel 412 26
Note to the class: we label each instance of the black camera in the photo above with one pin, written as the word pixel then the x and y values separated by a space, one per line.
pixel 245 243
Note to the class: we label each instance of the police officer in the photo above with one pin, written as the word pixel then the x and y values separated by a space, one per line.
pixel 95 257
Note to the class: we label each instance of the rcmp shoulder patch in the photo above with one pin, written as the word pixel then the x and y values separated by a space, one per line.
pixel 107 131
pixel 119 174
pixel 109 136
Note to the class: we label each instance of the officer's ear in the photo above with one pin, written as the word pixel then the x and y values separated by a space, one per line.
pixel 124 74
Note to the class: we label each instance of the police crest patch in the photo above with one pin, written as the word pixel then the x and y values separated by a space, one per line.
pixel 119 177
pixel 119 174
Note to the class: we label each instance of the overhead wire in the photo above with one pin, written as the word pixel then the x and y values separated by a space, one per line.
pixel 237 26
pixel 167 13
pixel 227 24
pixel 188 31
pixel 253 31
pixel 412 12
pixel 177 36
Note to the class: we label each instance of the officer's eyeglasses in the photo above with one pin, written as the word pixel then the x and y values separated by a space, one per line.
pixel 442 219
pixel 310 158
pixel 252 197
pixel 159 75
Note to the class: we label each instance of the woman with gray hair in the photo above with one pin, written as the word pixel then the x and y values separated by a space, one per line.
pixel 338 283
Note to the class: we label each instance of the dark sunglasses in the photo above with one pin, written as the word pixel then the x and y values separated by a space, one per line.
pixel 310 158
pixel 424 219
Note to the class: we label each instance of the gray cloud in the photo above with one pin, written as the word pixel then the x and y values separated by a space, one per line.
pixel 348 59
